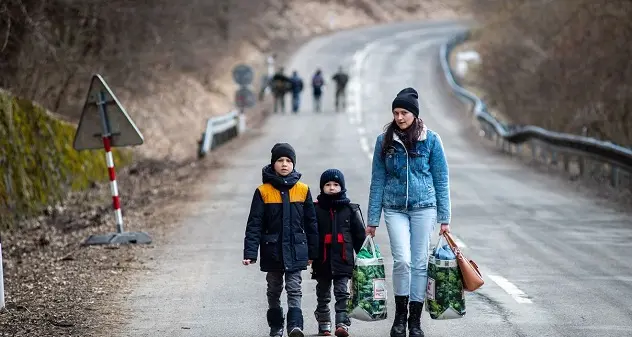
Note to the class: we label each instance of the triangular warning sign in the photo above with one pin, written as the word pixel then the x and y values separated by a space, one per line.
pixel 103 112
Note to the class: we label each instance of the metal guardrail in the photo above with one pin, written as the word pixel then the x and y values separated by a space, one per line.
pixel 219 130
pixel 541 140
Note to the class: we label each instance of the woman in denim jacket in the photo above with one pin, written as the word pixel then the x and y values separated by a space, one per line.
pixel 409 181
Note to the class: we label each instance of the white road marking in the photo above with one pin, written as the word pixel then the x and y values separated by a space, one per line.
pixel 510 289
pixel 365 145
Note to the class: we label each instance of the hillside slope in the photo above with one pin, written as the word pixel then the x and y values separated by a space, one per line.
pixel 562 65
pixel 169 62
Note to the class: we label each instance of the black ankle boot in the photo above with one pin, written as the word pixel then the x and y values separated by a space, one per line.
pixel 294 322
pixel 275 321
pixel 401 312
pixel 414 320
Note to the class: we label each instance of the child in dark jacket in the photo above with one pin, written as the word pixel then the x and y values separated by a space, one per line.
pixel 340 232
pixel 283 223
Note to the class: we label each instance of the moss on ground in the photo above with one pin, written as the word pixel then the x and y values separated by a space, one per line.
pixel 38 164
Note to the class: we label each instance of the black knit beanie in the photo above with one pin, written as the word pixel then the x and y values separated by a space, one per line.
pixel 407 99
pixel 332 175
pixel 282 150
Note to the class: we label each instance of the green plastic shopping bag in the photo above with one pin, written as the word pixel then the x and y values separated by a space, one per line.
pixel 368 284
pixel 445 298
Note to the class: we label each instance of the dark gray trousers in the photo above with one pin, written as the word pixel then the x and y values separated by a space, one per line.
pixel 341 295
pixel 292 288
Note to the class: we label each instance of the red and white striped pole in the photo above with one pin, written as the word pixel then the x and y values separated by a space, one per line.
pixel 116 200
pixel 109 160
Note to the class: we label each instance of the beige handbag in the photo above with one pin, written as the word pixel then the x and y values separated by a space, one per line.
pixel 472 278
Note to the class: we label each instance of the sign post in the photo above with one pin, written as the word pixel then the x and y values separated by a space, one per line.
pixel 105 124
pixel 244 96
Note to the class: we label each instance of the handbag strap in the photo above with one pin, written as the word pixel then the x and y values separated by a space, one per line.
pixel 448 237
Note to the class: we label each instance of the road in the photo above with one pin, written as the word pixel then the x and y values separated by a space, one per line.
pixel 555 263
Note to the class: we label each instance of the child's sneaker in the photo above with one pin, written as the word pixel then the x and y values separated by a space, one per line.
pixel 324 323
pixel 342 330
pixel 296 332
pixel 324 328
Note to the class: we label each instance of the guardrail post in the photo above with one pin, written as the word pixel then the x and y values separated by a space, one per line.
pixel 565 161
pixel 554 158
pixel 614 176
pixel 582 165
pixel 241 122
pixel 543 155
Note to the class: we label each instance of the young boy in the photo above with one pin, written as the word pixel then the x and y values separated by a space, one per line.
pixel 341 232
pixel 283 223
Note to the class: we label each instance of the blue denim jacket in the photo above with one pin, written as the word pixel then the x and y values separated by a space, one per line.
pixel 401 182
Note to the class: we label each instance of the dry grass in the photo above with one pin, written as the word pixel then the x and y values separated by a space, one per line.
pixel 563 65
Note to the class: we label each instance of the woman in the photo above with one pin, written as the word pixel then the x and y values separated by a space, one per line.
pixel 409 181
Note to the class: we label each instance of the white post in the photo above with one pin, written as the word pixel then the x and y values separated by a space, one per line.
pixel 2 304
pixel 270 65
pixel 242 122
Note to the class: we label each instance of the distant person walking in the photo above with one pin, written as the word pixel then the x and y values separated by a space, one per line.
pixel 341 79
pixel 297 88
pixel 317 89
pixel 280 85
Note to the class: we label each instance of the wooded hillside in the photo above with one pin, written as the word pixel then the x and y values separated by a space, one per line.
pixel 563 65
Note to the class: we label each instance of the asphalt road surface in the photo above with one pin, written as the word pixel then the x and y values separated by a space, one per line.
pixel 555 263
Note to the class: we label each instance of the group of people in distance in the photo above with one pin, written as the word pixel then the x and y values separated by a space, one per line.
pixel 280 85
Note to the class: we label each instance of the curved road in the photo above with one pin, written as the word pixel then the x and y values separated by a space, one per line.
pixel 555 263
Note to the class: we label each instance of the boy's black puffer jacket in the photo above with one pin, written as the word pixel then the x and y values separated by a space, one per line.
pixel 281 223
pixel 340 233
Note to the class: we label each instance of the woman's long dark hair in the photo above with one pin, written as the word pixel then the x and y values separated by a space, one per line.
pixel 408 136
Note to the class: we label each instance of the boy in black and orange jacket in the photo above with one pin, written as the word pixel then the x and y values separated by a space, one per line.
pixel 282 222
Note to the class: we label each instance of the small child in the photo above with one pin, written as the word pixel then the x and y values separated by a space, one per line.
pixel 288 241
pixel 340 233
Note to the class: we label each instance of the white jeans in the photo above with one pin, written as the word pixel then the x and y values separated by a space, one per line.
pixel 409 235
